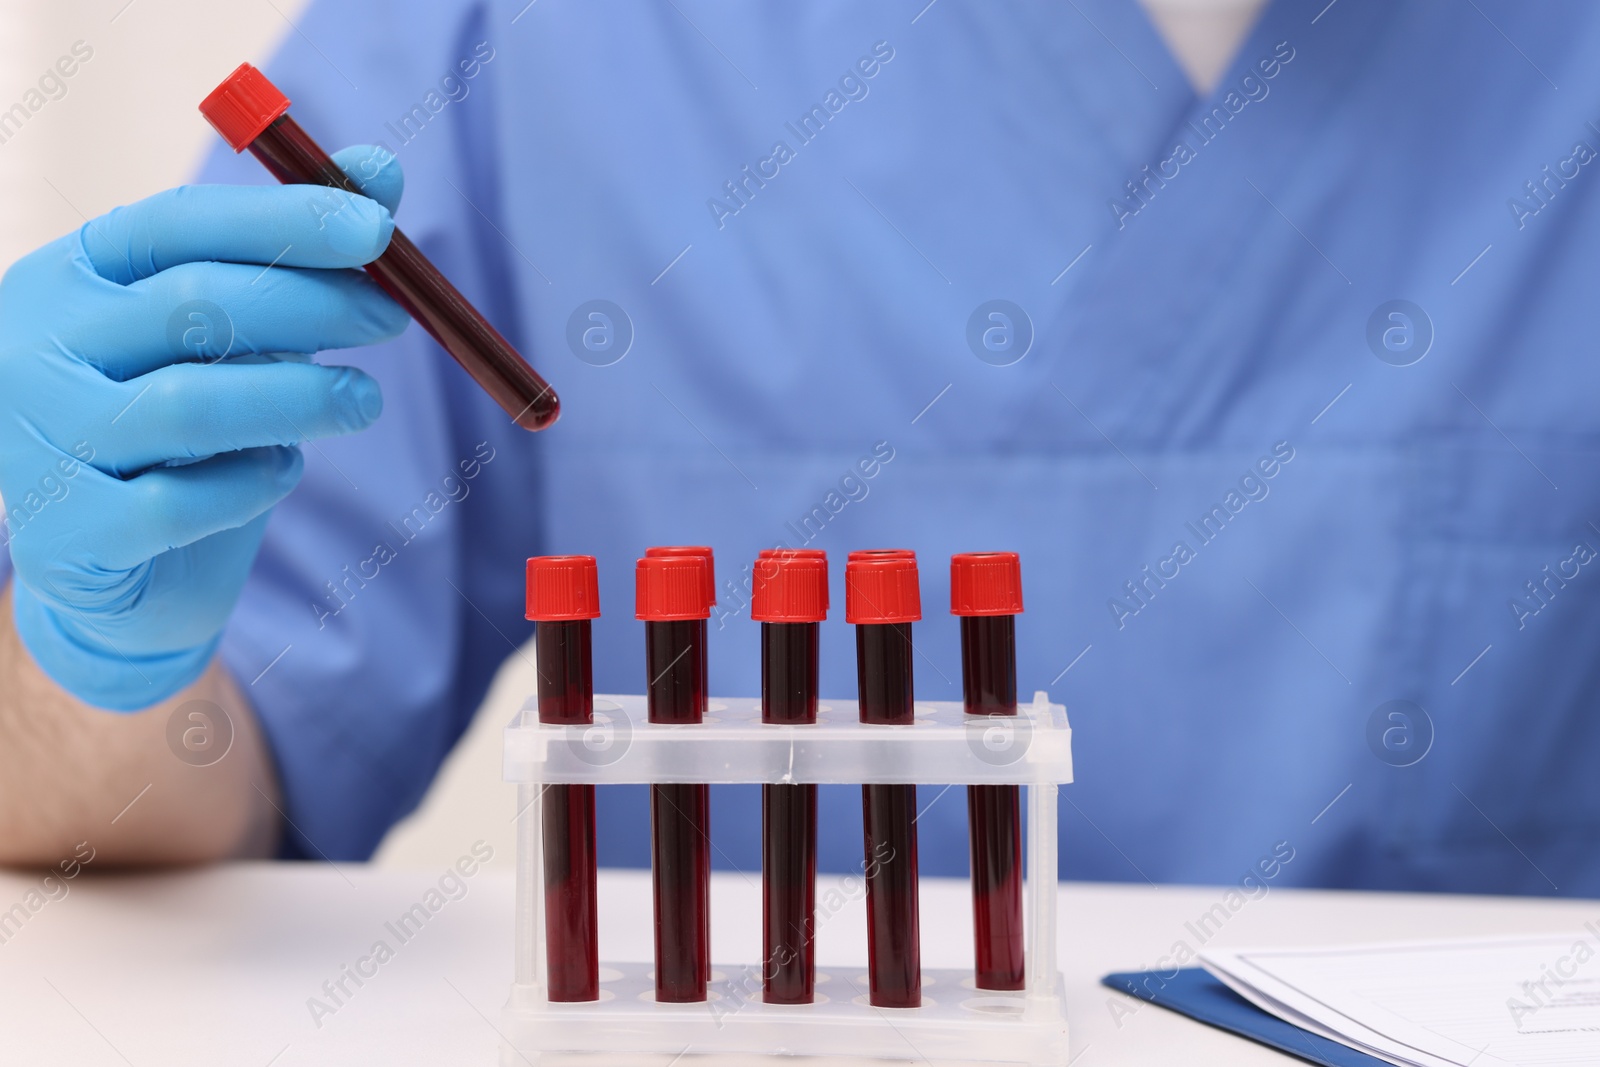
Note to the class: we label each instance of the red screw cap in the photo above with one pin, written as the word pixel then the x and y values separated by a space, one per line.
pixel 986 583
pixel 790 588
pixel 881 590
pixel 703 551
pixel 670 588
pixel 797 553
pixel 243 105
pixel 563 588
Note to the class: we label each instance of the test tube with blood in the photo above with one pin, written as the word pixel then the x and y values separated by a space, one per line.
pixel 704 552
pixel 986 593
pixel 789 598
pixel 250 112
pixel 882 599
pixel 671 598
pixel 562 597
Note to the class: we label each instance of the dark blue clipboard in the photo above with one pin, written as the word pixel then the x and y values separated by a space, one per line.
pixel 1194 992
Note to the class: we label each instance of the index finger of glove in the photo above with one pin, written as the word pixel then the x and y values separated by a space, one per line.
pixel 287 225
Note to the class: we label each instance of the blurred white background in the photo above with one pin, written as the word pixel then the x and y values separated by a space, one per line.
pixel 127 126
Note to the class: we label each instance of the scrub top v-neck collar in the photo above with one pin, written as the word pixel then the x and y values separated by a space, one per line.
pixel 1127 61
pixel 1136 361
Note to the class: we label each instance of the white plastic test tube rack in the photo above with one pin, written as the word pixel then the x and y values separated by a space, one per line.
pixel 956 1023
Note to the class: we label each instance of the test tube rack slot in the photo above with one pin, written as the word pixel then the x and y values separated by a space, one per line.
pixel 956 1024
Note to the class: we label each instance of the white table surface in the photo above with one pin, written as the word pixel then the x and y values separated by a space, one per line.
pixel 215 967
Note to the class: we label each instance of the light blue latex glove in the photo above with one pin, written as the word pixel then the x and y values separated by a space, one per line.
pixel 151 403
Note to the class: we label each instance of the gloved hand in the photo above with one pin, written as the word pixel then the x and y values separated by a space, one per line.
pixel 155 381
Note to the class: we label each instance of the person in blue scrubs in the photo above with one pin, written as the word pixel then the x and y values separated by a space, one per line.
pixel 1283 391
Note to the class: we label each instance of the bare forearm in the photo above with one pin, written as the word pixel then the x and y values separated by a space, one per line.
pixel 162 785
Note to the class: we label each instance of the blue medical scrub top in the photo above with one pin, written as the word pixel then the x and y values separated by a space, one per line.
pixel 1258 501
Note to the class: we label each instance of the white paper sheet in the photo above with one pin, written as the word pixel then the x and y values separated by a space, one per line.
pixel 1528 1002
